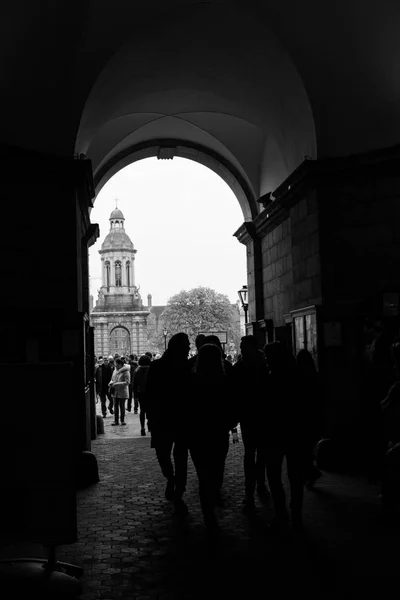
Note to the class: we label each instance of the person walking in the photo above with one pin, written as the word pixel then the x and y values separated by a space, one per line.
pixel 310 397
pixel 139 388
pixel 133 363
pixel 105 377
pixel 390 462
pixel 98 377
pixel 284 426
pixel 228 369
pixel 167 389
pixel 250 376
pixel 120 389
pixel 210 386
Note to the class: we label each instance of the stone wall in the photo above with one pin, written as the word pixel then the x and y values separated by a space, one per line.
pixel 304 220
pixel 291 263
pixel 360 238
pixel 277 272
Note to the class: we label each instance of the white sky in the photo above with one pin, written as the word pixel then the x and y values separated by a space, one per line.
pixel 181 217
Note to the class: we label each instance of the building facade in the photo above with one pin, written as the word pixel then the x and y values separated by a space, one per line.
pixel 119 317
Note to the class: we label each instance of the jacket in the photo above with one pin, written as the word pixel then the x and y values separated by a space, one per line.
pixel 250 384
pixel 215 393
pixel 167 389
pixel 120 380
pixel 106 372
pixel 140 379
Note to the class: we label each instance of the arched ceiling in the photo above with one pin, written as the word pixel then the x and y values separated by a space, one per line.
pixel 261 84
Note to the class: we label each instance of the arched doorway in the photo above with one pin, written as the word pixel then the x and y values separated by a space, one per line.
pixel 120 341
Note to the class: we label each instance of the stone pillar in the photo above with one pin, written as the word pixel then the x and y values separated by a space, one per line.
pixel 246 235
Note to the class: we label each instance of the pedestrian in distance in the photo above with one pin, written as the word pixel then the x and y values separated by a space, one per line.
pixel 97 377
pixel 106 373
pixel 139 389
pixel 120 389
pixel 133 362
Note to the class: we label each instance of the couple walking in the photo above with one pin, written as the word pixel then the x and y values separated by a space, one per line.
pixel 175 397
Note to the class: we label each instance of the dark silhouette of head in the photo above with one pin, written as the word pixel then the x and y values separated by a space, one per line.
pixel 199 341
pixel 249 347
pixel 213 339
pixel 277 357
pixel 178 346
pixel 210 361
pixel 305 362
pixel 149 354
pixel 144 360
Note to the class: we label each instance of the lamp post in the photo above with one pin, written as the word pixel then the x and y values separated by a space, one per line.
pixel 243 296
pixel 165 332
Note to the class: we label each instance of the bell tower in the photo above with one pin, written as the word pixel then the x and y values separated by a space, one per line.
pixel 118 258
pixel 119 317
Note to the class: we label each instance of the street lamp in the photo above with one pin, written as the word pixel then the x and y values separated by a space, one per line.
pixel 165 332
pixel 243 295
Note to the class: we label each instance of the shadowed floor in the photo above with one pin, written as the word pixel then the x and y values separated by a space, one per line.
pixel 131 546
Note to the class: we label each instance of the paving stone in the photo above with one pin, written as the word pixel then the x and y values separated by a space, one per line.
pixel 132 547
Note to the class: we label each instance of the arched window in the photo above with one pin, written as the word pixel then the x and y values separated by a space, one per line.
pixel 118 273
pixel 128 274
pixel 108 275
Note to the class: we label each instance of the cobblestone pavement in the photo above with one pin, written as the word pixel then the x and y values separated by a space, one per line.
pixel 130 430
pixel 131 545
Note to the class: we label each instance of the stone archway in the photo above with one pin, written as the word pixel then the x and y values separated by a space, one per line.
pixel 167 150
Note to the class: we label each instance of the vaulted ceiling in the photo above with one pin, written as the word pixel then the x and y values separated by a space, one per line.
pixel 259 84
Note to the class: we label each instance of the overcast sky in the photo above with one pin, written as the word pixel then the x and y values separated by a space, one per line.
pixel 181 217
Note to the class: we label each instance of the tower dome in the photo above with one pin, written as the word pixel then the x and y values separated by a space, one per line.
pixel 117 238
pixel 117 214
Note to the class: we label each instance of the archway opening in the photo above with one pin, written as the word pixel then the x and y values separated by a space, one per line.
pixel 179 217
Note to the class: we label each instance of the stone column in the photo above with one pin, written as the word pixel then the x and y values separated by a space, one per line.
pixel 246 235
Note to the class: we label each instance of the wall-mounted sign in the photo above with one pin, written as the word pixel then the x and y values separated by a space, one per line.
pixel 390 305
pixel 333 333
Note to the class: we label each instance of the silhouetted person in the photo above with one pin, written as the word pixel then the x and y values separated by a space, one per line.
pixel 250 376
pixel 209 442
pixel 97 376
pixel 310 397
pixel 139 388
pixel 390 406
pixel 133 363
pixel 283 435
pixel 119 385
pixel 166 392
pixel 379 375
pixel 199 341
pixel 214 339
pixel 106 372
